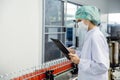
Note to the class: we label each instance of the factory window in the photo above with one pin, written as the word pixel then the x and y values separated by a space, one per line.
pixel 113 18
pixel 58 16
pixel 70 24
pixel 71 9
pixel 54 11
pixel 113 27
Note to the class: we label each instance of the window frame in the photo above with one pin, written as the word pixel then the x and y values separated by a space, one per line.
pixel 62 27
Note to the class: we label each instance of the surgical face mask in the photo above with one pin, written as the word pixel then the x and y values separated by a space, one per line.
pixel 82 30
pixel 83 26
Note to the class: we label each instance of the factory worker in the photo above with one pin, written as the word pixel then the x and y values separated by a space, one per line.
pixel 93 59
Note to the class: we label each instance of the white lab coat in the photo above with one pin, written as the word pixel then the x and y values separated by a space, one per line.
pixel 94 57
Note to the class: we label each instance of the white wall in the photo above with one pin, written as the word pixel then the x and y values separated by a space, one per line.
pixel 20 34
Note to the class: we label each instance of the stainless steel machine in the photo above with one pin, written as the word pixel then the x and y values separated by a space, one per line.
pixel 114 48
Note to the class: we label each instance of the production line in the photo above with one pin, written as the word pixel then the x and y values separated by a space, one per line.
pixel 48 71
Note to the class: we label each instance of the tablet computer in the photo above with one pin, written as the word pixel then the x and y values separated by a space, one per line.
pixel 60 45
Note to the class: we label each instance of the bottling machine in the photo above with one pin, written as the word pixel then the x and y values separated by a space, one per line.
pixel 114 48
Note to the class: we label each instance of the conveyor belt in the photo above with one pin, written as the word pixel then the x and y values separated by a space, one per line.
pixel 55 68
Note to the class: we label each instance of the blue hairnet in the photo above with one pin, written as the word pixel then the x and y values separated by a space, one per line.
pixel 90 13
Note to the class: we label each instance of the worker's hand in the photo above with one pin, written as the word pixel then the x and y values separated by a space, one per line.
pixel 71 50
pixel 74 58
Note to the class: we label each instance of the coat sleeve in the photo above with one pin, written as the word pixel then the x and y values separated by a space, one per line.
pixel 99 62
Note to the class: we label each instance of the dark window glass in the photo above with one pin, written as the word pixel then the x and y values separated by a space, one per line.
pixel 51 50
pixel 53 12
